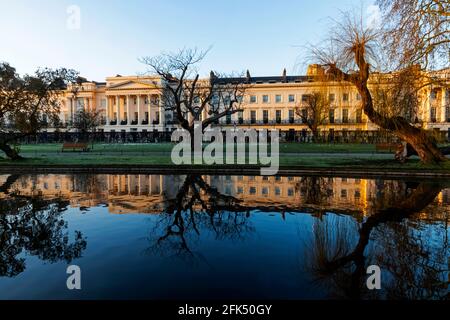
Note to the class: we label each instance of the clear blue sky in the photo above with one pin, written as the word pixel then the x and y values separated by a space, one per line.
pixel 264 36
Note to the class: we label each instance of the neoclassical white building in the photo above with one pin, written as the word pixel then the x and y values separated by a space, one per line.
pixel 134 104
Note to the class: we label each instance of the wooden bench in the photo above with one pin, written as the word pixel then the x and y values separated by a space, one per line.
pixel 387 147
pixel 75 146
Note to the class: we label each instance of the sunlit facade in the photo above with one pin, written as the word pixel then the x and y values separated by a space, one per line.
pixel 135 104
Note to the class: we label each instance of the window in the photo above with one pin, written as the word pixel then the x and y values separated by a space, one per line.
pixel 265 116
pixel 278 116
pixel 344 115
pixel 277 191
pixel 345 97
pixel 253 99
pixel 241 117
pixel 359 116
pixel 103 103
pixel 278 98
pixel 447 114
pixel 331 116
pixel 252 190
pixel 291 98
pixel 433 114
pixel 291 116
pixel 265 98
pixel 290 192
pixel 240 190
pixel 228 119
pixel 253 116
pixel 343 193
pixel 215 99
pixel 433 95
pixel 357 194
pixel 305 97
pixel 332 97
pixel 304 115
pixel 135 101
pixel 265 191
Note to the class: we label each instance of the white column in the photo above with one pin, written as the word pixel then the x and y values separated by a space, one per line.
pixel 149 110
pixel 118 110
pixel 107 110
pixel 443 118
pixel 72 109
pixel 139 109
pixel 204 113
pixel 128 110
pixel 162 115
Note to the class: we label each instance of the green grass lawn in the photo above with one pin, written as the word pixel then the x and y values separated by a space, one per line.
pixel 291 154
pixel 167 147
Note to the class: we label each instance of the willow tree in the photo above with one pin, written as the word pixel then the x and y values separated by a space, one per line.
pixel 354 54
pixel 417 31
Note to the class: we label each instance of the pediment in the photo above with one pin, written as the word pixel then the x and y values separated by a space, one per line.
pixel 133 85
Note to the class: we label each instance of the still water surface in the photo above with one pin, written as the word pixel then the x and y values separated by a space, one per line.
pixel 188 237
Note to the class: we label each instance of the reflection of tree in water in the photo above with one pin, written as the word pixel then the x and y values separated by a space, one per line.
pixel 414 267
pixel 197 208
pixel 34 226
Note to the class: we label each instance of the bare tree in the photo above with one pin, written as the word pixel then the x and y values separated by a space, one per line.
pixel 417 31
pixel 191 98
pixel 87 121
pixel 350 56
pixel 28 103
pixel 314 111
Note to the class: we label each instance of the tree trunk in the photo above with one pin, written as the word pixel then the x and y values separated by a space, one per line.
pixel 10 152
pixel 407 150
pixel 315 134
pixel 424 145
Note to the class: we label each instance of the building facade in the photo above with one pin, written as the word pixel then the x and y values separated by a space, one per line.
pixel 135 104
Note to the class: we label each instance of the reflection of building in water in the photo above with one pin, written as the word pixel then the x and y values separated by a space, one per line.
pixel 149 193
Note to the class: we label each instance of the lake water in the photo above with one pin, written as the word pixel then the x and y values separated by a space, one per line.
pixel 217 237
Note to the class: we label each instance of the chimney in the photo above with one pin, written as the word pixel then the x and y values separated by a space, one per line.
pixel 248 75
pixel 284 75
pixel 212 75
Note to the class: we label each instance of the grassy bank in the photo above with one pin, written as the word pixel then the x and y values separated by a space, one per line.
pixel 342 156
pixel 55 148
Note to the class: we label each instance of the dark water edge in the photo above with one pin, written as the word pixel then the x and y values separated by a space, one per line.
pixel 222 237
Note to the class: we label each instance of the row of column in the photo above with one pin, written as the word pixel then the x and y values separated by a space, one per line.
pixel 115 110
pixel 75 106
pixel 136 185
pixel 440 106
